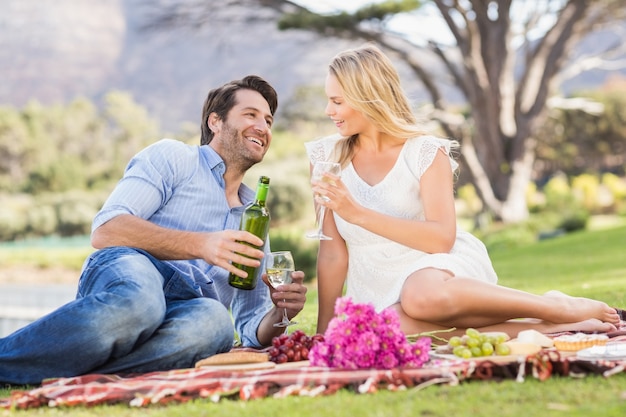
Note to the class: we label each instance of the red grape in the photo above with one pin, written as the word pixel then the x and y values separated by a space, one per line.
pixel 293 347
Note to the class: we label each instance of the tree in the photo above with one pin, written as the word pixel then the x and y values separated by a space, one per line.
pixel 508 59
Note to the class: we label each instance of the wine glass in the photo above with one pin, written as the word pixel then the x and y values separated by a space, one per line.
pixel 319 169
pixel 279 266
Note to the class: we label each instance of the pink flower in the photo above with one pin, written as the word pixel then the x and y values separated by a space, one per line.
pixel 387 360
pixel 359 337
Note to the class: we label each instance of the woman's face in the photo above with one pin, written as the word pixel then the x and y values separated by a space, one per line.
pixel 348 120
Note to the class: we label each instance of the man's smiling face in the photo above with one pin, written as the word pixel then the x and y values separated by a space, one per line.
pixel 245 135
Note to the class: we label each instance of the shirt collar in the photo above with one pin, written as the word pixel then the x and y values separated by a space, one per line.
pixel 215 162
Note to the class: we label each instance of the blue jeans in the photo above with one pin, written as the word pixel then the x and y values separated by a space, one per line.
pixel 132 314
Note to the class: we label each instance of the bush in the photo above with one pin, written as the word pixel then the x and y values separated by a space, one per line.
pixel 13 215
pixel 75 217
pixel 574 221
pixel 287 203
pixel 509 237
pixel 586 190
pixel 42 220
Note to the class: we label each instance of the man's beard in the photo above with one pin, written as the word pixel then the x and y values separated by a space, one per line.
pixel 235 151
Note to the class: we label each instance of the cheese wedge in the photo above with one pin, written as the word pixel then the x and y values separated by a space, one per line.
pixel 534 337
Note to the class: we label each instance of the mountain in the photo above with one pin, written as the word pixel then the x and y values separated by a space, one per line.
pixel 53 51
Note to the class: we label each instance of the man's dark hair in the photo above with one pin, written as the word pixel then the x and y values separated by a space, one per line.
pixel 220 100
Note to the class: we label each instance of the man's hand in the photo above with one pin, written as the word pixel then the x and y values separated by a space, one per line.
pixel 290 296
pixel 223 249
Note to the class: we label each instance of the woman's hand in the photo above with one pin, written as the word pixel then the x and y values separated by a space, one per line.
pixel 334 195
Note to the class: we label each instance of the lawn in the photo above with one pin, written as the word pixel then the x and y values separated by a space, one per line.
pixel 588 263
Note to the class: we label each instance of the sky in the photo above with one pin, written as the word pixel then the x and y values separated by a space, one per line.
pixel 427 25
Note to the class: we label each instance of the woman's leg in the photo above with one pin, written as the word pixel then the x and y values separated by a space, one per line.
pixel 511 327
pixel 435 296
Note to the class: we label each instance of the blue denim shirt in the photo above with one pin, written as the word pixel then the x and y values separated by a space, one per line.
pixel 181 187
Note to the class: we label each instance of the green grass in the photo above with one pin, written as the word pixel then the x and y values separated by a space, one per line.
pixel 583 264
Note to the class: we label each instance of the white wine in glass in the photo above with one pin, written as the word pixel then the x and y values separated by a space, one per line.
pixel 319 169
pixel 279 266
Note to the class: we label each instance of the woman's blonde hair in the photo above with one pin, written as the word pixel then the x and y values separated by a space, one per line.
pixel 371 85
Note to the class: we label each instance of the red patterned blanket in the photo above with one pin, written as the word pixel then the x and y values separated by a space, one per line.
pixel 182 385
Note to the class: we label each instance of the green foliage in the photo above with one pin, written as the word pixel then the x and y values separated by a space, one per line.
pixel 75 218
pixel 574 140
pixel 288 203
pixel 13 216
pixel 42 220
pixel 575 220
pixel 66 173
pixel 304 251
pixel 615 184
pixel 468 201
pixel 15 149
pixel 558 192
pixel 509 237
pixel 75 146
pixel 586 188
pixel 66 214
pixel 336 23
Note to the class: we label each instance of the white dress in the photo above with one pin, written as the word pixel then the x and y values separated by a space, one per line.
pixel 377 266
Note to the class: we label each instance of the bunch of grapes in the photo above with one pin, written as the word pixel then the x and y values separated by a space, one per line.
pixel 293 347
pixel 476 344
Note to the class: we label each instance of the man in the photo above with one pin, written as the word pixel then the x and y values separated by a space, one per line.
pixel 155 296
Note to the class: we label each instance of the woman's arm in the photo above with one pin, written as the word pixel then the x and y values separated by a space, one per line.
pixel 332 268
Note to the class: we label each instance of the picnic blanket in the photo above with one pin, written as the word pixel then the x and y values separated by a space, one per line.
pixel 213 384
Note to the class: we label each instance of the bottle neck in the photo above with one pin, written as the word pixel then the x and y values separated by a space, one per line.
pixel 261 193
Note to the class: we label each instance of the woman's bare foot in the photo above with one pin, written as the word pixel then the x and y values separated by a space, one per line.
pixel 578 309
pixel 590 325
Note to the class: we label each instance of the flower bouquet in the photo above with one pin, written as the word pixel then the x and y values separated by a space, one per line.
pixel 358 337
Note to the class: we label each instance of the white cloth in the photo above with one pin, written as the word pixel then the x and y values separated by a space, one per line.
pixel 377 266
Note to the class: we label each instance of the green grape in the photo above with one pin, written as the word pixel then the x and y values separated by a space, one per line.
pixel 503 349
pixel 457 351
pixel 476 352
pixel 473 342
pixel 455 341
pixel 487 349
pixel 472 333
pixel 476 344
pixel 462 352
pixel 466 353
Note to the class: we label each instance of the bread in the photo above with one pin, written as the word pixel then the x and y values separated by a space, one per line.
pixel 523 349
pixel 234 357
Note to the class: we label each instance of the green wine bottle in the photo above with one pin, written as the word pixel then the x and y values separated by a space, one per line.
pixel 256 220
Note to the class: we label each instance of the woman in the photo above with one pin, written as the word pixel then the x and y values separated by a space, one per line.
pixel 394 231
